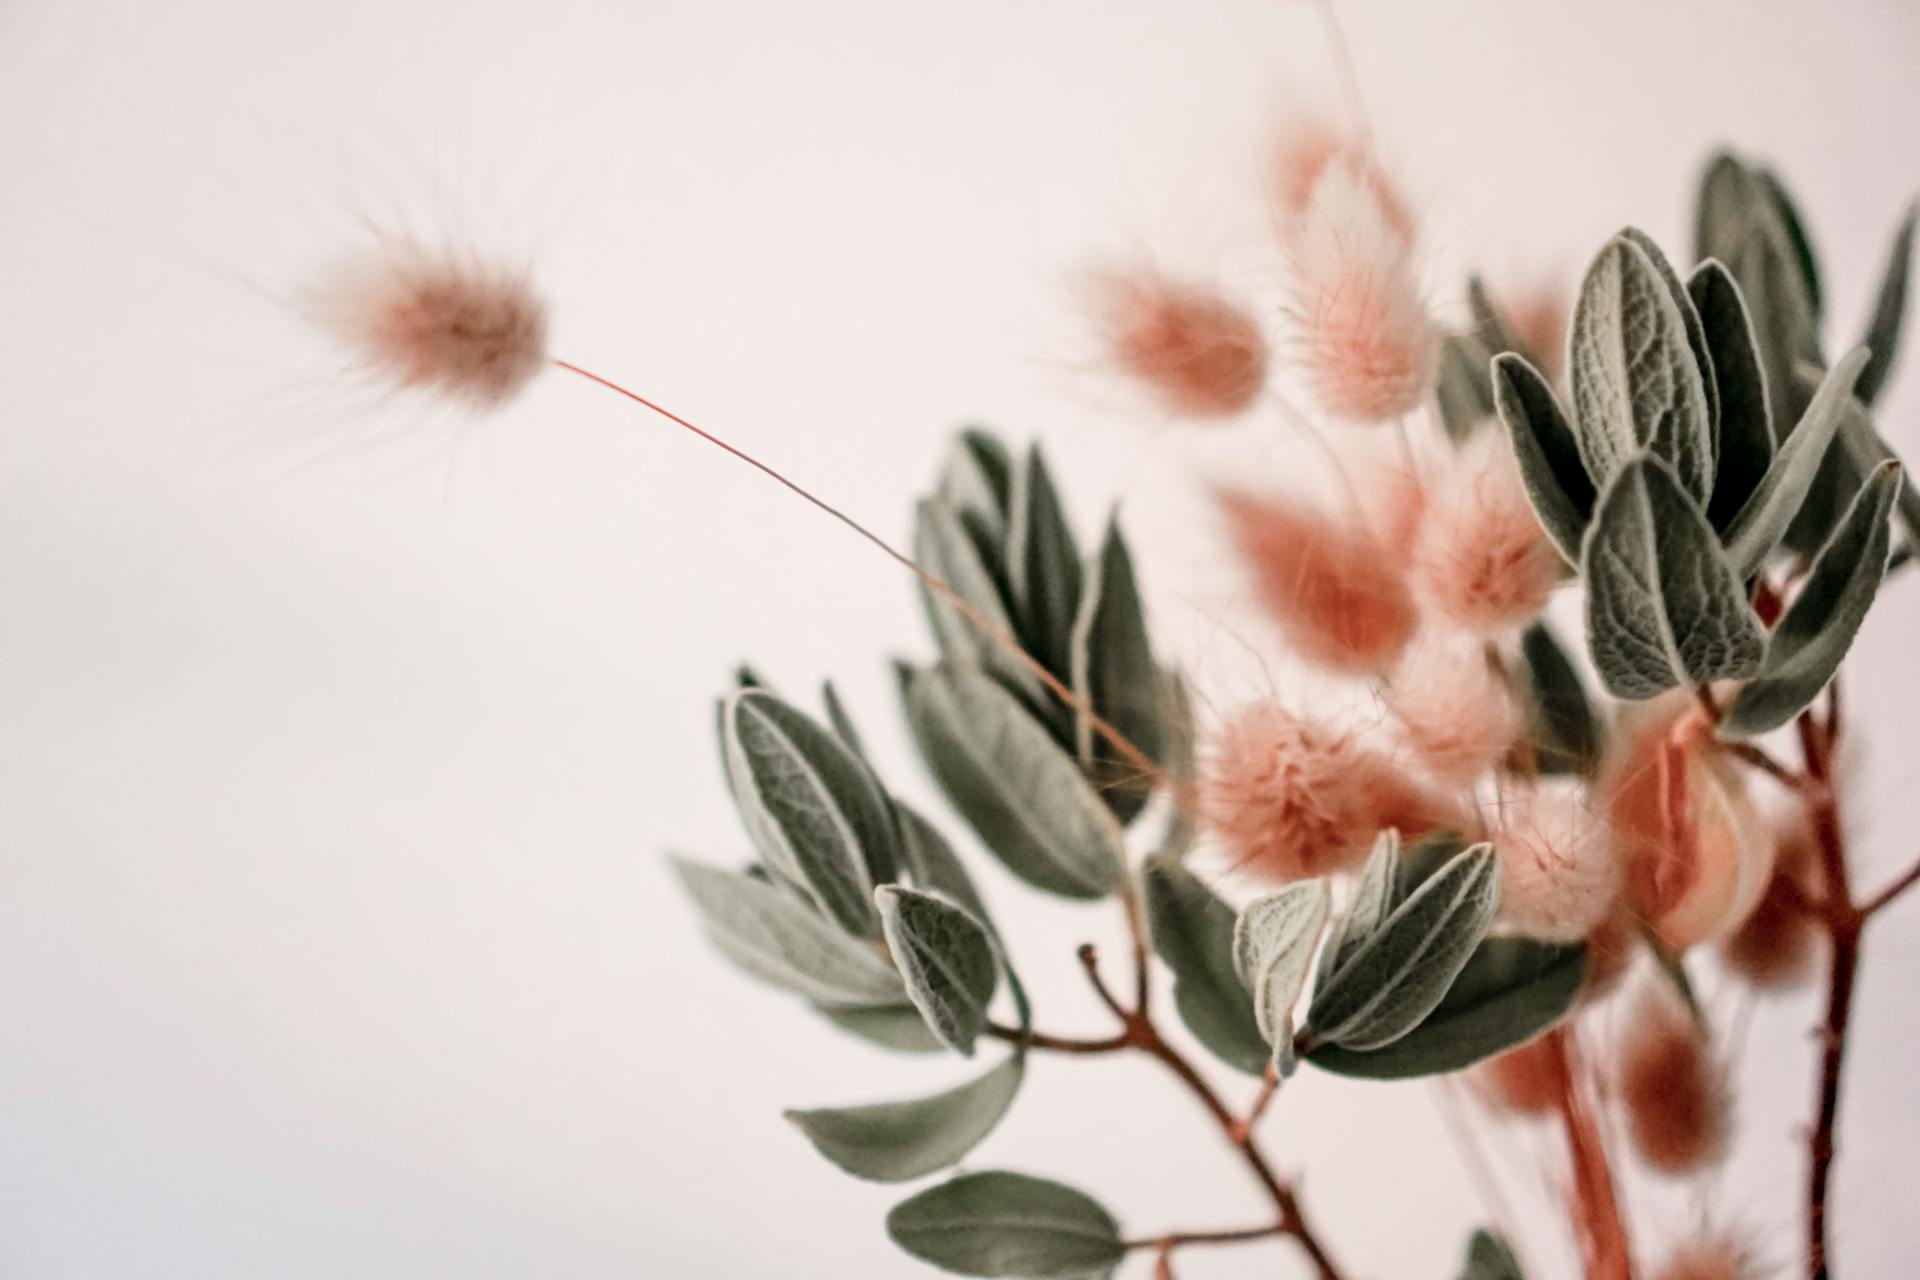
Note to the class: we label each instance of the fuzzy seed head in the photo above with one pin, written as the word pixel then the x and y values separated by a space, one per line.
pixel 1559 877
pixel 1288 798
pixel 1305 150
pixel 1716 1256
pixel 1775 948
pixel 1337 595
pixel 1457 715
pixel 1368 347
pixel 1199 352
pixel 1674 1094
pixel 1526 1081
pixel 1393 501
pixel 1481 560
pixel 436 321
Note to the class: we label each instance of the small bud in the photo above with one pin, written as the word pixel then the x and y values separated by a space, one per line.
pixel 1336 594
pixel 1560 879
pixel 1674 1094
pixel 1200 353
pixel 1715 1256
pixel 1481 560
pixel 470 331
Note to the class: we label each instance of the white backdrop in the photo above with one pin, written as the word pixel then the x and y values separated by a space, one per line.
pixel 336 765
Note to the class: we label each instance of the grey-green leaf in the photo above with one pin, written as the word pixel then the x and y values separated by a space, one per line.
pixel 838 718
pixel 1690 321
pixel 1819 627
pixel 774 935
pixel 1043 566
pixel 1008 1224
pixel 1762 520
pixel 1889 309
pixel 945 957
pixel 1665 607
pixel 1400 974
pixel 1740 386
pixel 1488 1258
pixel 1373 900
pixel 1461 389
pixel 1112 668
pixel 898 1027
pixel 1561 720
pixel 1510 991
pixel 1014 784
pixel 945 549
pixel 977 480
pixel 1192 931
pixel 1273 945
pixel 932 864
pixel 897 1141
pixel 1551 469
pixel 814 809
pixel 1636 382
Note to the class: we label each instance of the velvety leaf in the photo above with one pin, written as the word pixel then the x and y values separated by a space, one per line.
pixel 1043 566
pixel 1690 321
pixel 1665 607
pixel 977 480
pixel 1273 945
pixel 1866 449
pixel 1461 388
pixel 813 808
pixel 1762 520
pixel 1889 309
pixel 1510 991
pixel 1740 385
pixel 1561 721
pixel 1192 931
pixel 1636 382
pixel 1551 469
pixel 1488 1258
pixel 838 718
pixel 1784 328
pixel 946 959
pixel 1787 214
pixel 1819 626
pixel 898 1027
pixel 1008 1224
pixel 776 936
pixel 932 864
pixel 1372 902
pixel 1014 784
pixel 1112 668
pixel 897 1141
pixel 1400 974
pixel 943 547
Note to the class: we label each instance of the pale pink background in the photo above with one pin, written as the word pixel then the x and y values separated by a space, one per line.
pixel 335 937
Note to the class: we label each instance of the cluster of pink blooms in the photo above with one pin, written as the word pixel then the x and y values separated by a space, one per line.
pixel 1416 589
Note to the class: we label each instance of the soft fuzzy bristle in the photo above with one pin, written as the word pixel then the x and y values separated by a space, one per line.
pixel 1288 798
pixel 1457 715
pixel 470 331
pixel 1481 560
pixel 1335 592
pixel 1718 1255
pixel 1775 947
pixel 1304 151
pixel 1560 879
pixel 1674 1094
pixel 1367 344
pixel 1199 352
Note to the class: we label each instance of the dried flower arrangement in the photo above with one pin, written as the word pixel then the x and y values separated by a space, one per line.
pixel 1457 890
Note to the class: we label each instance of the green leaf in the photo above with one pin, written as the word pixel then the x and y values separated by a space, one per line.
pixel 813 808
pixel 898 1141
pixel 1889 309
pixel 1014 784
pixel 1561 721
pixel 1113 669
pixel 943 547
pixel 947 960
pixel 1665 607
pixel 1762 520
pixel 1740 385
pixel 1819 627
pixel 1490 325
pixel 838 718
pixel 1784 327
pixel 1008 1224
pixel 1273 945
pixel 1043 566
pixel 1738 202
pixel 1510 991
pixel 1402 972
pixel 773 934
pixel 1373 901
pixel 898 1027
pixel 977 480
pixel 1793 226
pixel 1551 469
pixel 932 864
pixel 1636 382
pixel 1488 1258
pixel 1461 388
pixel 1192 931
pixel 1689 321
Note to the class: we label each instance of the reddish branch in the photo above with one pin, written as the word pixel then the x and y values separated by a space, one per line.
pixel 1596 1207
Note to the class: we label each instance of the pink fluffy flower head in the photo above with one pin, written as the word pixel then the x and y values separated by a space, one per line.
pixel 1674 1094
pixel 1457 715
pixel 1717 1255
pixel 1303 152
pixel 1335 592
pixel 1481 560
pixel 471 331
pixel 1367 344
pixel 1560 877
pixel 1289 798
pixel 1202 354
